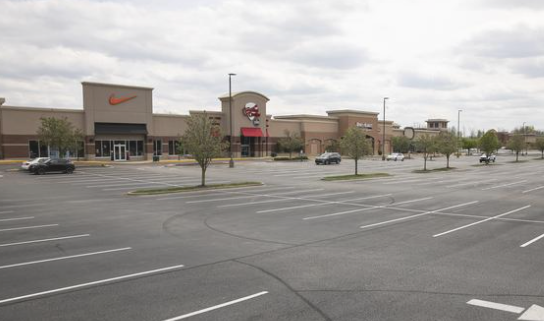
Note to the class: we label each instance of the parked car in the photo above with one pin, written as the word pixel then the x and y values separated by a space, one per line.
pixel 26 165
pixel 327 158
pixel 487 159
pixel 52 165
pixel 396 157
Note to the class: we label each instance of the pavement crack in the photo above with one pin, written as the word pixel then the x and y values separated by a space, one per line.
pixel 207 224
pixel 289 287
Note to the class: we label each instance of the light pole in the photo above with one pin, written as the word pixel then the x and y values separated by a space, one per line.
pixel 383 136
pixel 459 123
pixel 524 139
pixel 231 161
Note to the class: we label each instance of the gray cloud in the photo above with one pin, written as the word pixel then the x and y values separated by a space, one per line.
pixel 520 42
pixel 432 82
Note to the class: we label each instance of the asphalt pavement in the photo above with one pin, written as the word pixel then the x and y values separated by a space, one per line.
pixel 464 244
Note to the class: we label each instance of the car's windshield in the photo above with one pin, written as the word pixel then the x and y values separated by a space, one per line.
pixel 325 155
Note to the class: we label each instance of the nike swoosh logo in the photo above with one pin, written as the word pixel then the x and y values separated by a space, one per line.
pixel 117 101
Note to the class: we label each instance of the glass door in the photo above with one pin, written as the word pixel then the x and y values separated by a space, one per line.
pixel 119 152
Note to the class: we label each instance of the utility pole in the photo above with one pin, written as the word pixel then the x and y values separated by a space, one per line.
pixel 231 161
pixel 383 139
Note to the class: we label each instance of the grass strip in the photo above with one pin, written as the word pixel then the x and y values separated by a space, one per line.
pixel 441 169
pixel 181 189
pixel 484 164
pixel 354 177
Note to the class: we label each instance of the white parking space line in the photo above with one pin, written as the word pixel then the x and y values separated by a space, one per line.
pixel 472 183
pixel 83 285
pixel 45 240
pixel 363 209
pixel 63 258
pixel 172 181
pixel 16 219
pixel 291 208
pixel 532 241
pixel 504 185
pixel 258 202
pixel 138 186
pixel 27 227
pixel 482 221
pixel 365 198
pixel 220 199
pixel 534 189
pixel 215 307
pixel 219 192
pixel 6 212
pixel 417 215
pixel 496 306
pixel 412 201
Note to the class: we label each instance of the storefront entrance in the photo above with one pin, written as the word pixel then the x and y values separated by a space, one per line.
pixel 119 151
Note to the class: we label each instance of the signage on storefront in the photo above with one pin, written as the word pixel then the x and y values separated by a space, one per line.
pixel 116 101
pixel 364 125
pixel 251 111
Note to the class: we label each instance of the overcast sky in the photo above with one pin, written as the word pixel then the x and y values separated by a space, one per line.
pixel 430 57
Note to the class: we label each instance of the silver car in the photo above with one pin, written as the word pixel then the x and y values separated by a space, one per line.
pixel 396 157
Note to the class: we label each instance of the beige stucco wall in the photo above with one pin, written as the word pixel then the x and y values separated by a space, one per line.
pixel 26 120
pixel 278 127
pixel 98 109
pixel 239 120
pixel 169 125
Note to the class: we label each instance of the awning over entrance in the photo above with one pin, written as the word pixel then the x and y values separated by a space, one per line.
pixel 117 128
pixel 251 132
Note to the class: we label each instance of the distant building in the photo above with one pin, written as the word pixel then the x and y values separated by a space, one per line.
pixel 119 124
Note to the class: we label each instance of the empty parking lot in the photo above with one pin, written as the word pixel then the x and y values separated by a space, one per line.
pixel 457 245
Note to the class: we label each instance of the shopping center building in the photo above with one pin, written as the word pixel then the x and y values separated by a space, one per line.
pixel 118 124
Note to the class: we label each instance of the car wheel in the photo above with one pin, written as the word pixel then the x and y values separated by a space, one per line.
pixel 40 171
pixel 69 170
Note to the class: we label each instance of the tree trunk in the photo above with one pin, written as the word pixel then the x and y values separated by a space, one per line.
pixel 425 162
pixel 356 167
pixel 203 181
pixel 517 153
pixel 448 161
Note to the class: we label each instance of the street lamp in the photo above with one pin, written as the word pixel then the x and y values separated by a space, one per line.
pixel 383 141
pixel 524 139
pixel 231 161
pixel 459 123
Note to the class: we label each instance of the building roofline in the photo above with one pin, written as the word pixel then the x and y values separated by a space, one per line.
pixel 351 111
pixel 226 96
pixel 437 119
pixel 114 85
pixel 25 108
pixel 299 116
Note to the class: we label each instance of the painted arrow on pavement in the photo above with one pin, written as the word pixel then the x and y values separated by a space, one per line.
pixel 533 313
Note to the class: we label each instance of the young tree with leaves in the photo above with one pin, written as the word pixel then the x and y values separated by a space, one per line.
pixel 426 144
pixel 355 144
pixel 447 144
pixel 515 143
pixel 60 134
pixel 489 143
pixel 401 144
pixel 291 142
pixel 203 140
pixel 539 144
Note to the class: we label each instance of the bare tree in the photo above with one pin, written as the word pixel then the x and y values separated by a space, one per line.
pixel 203 140
pixel 355 144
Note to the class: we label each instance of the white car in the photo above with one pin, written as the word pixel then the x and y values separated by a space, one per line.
pixel 26 165
pixel 396 157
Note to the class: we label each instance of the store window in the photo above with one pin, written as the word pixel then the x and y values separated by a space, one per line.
pixel 37 149
pixel 140 148
pixel 157 147
pixel 106 148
